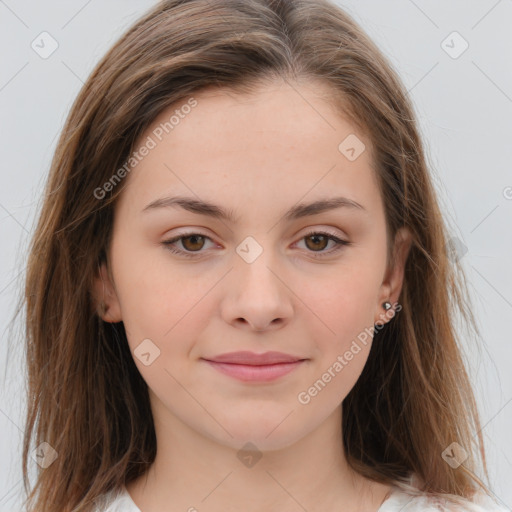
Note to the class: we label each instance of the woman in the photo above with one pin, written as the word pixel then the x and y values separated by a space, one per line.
pixel 241 261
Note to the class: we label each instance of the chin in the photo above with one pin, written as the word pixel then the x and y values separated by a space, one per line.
pixel 266 436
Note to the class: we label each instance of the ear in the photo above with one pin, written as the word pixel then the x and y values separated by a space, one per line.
pixel 105 294
pixel 393 280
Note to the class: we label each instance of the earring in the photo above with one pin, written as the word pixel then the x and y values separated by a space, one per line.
pixel 386 305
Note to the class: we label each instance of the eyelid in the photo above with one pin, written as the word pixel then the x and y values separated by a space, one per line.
pixel 328 231
pixel 331 231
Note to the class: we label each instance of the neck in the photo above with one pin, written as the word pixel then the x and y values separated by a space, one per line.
pixel 192 472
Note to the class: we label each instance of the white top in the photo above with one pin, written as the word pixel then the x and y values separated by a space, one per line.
pixel 397 501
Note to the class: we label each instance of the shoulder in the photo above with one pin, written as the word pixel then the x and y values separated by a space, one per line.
pixel 116 501
pixel 405 502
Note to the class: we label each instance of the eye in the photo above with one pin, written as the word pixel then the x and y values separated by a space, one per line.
pixel 194 242
pixel 318 240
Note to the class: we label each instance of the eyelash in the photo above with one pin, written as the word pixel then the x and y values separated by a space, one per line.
pixel 190 254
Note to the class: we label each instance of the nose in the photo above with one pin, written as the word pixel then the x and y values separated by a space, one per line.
pixel 257 297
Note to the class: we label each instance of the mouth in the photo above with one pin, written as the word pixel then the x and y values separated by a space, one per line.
pixel 261 372
pixel 248 366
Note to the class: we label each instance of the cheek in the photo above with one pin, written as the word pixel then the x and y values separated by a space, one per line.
pixel 153 295
pixel 341 341
pixel 343 302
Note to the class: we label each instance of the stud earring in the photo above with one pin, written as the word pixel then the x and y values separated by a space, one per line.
pixel 386 305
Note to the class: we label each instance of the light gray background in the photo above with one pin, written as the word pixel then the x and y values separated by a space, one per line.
pixel 464 107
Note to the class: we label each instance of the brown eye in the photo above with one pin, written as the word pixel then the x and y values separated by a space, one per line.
pixel 319 241
pixel 316 243
pixel 196 242
pixel 191 243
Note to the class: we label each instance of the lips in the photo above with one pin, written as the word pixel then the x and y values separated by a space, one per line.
pixel 253 359
pixel 252 367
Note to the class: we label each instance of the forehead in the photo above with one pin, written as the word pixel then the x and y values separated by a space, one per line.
pixel 284 139
pixel 278 114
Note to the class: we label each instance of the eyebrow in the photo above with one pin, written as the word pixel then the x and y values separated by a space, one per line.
pixel 295 212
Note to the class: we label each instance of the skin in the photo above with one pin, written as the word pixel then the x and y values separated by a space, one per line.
pixel 258 156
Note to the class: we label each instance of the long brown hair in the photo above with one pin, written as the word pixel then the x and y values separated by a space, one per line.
pixel 86 398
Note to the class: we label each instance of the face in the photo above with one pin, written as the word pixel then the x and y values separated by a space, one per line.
pixel 190 284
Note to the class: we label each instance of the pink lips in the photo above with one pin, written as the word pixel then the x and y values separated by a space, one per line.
pixel 248 366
